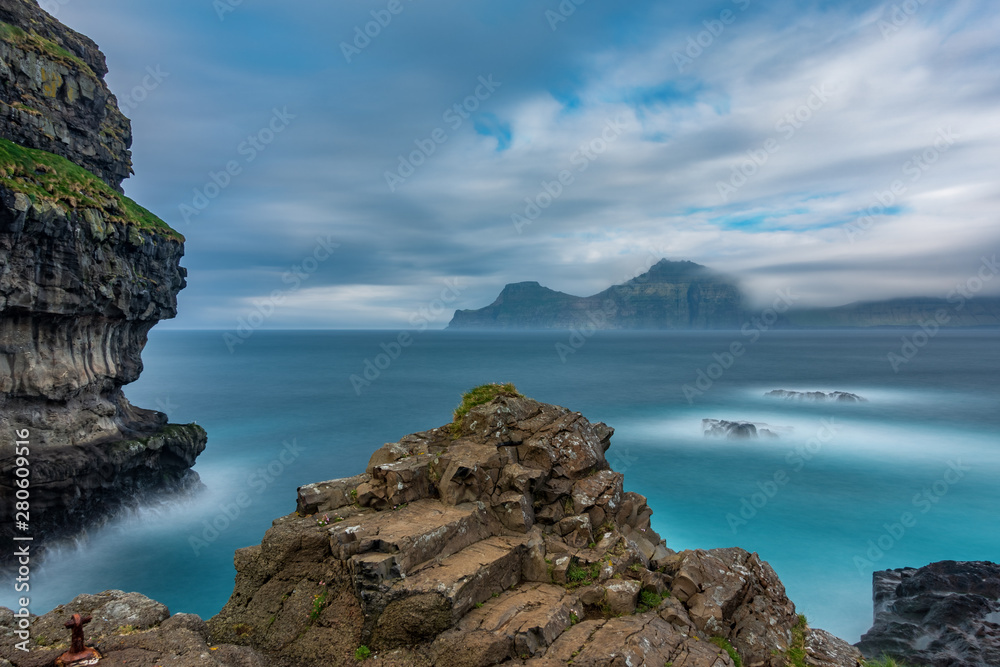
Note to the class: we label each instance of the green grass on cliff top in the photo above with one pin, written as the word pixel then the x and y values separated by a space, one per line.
pixel 484 393
pixel 42 175
pixel 30 41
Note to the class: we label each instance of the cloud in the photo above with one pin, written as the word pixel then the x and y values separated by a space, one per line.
pixel 782 129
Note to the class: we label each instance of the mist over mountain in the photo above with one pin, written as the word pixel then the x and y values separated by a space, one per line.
pixel 685 295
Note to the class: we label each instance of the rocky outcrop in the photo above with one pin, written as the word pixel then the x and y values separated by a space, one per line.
pixel 735 430
pixel 506 539
pixel 943 614
pixel 85 273
pixel 53 96
pixel 127 629
pixel 816 396
pixel 671 295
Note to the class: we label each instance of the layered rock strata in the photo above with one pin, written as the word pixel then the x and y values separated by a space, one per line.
pixel 507 540
pixel 85 273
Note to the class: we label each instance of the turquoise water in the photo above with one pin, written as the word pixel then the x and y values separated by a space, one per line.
pixel 825 504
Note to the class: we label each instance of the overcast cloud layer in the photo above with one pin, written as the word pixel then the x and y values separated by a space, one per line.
pixel 756 138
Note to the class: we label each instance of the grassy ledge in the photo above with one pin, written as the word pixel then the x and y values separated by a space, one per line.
pixel 46 176
pixel 30 41
pixel 484 393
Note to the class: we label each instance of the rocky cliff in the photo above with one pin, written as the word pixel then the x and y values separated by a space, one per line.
pixel 671 295
pixel 53 96
pixel 504 538
pixel 85 273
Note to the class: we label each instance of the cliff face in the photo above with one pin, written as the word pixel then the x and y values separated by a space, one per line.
pixel 85 273
pixel 671 295
pixel 505 540
pixel 53 96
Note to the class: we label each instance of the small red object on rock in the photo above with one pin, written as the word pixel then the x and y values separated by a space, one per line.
pixel 78 655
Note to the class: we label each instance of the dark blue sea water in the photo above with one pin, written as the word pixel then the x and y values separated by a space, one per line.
pixel 908 478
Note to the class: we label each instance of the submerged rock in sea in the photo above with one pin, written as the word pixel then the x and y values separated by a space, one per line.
pixel 736 430
pixel 126 629
pixel 939 615
pixel 839 396
pixel 504 540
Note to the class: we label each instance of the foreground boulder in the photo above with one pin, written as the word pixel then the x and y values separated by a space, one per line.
pixel 127 629
pixel 943 614
pixel 503 539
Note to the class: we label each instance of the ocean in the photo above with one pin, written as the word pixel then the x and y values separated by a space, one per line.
pixel 907 478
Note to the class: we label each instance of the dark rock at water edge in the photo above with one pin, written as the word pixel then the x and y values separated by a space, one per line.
pixel 737 430
pixel 939 615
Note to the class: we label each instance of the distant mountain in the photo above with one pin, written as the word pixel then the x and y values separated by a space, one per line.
pixel 685 295
pixel 671 295
pixel 954 312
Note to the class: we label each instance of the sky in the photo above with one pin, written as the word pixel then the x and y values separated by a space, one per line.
pixel 375 164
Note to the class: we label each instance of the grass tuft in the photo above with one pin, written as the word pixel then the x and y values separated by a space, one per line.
pixel 884 661
pixel 362 653
pixel 649 600
pixel 797 651
pixel 724 644
pixel 480 395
